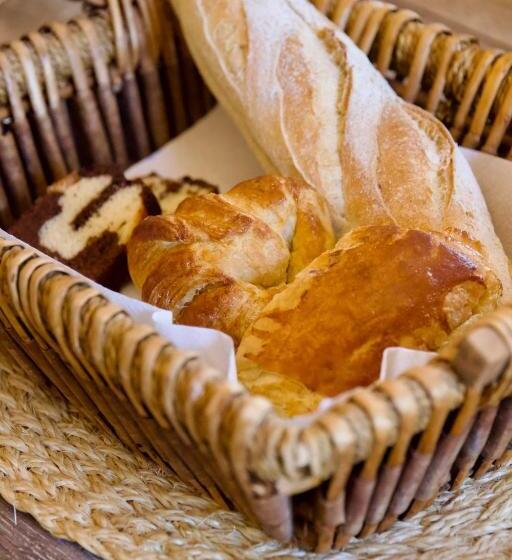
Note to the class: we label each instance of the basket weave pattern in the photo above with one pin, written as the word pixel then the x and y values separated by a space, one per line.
pixel 81 484
pixel 104 89
pixel 449 74
pixel 102 362
pixel 376 454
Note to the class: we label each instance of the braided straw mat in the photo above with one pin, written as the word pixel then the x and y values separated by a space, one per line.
pixel 81 484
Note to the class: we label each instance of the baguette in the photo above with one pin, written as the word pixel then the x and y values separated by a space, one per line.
pixel 311 105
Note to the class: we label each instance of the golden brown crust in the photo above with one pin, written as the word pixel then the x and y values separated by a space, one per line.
pixel 310 320
pixel 220 258
pixel 381 286
pixel 228 306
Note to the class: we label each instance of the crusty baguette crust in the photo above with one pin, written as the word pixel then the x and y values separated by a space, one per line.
pixel 311 105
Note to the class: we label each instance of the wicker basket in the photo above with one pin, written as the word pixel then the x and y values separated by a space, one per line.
pixel 113 86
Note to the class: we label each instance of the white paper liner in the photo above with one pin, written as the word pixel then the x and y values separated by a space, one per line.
pixel 395 360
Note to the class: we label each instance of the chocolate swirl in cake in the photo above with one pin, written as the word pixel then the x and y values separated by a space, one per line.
pixel 170 193
pixel 85 222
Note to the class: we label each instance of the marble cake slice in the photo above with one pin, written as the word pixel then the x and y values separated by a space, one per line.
pixel 170 193
pixel 85 221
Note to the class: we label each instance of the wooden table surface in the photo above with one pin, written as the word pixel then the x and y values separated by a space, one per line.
pixel 491 20
pixel 21 538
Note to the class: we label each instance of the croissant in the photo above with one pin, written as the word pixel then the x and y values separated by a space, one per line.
pixel 219 259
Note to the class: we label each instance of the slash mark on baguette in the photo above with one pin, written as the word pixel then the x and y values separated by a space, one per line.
pixel 338 53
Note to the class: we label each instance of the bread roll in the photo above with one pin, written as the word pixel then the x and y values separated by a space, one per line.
pixel 311 319
pixel 381 286
pixel 311 105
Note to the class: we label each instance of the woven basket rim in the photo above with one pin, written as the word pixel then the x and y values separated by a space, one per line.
pixel 264 409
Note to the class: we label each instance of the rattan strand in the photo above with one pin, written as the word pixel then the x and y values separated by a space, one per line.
pixel 59 59
pixel 83 485
pixel 358 19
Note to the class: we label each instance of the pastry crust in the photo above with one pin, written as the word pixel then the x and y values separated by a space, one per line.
pixel 381 286
pixel 220 258
pixel 311 319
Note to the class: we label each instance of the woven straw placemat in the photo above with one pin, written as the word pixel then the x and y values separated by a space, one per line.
pixel 81 484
